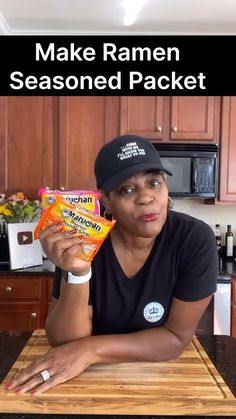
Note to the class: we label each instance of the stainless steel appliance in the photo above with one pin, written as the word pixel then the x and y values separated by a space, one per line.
pixel 194 168
pixel 222 305
pixel 217 318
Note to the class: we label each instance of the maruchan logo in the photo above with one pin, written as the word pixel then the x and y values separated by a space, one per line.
pixel 79 200
pixel 65 213
pixel 82 221
pixel 50 200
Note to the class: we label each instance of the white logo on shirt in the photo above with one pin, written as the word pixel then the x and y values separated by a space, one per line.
pixel 130 150
pixel 153 312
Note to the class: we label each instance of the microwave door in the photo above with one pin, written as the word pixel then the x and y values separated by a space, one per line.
pixel 179 184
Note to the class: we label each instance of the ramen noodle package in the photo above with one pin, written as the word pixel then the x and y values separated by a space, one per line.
pixel 92 228
pixel 84 199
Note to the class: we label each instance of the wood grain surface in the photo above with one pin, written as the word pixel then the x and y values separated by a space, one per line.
pixel 189 385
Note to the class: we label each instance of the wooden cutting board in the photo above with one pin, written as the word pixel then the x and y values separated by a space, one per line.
pixel 189 385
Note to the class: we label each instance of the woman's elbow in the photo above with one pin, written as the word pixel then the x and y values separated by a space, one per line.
pixel 58 334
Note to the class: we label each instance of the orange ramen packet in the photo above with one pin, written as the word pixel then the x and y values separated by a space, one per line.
pixel 91 227
pixel 84 199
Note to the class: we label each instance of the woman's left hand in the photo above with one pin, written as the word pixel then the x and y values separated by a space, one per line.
pixel 61 363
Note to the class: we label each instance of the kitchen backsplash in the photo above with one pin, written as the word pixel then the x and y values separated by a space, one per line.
pixel 211 214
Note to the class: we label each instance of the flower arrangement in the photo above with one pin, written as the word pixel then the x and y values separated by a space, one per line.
pixel 18 209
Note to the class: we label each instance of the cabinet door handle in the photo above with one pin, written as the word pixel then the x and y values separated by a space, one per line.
pixel 175 129
pixel 33 315
pixel 159 128
pixel 8 289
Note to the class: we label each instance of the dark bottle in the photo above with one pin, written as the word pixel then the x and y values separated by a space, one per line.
pixel 4 246
pixel 218 238
pixel 229 242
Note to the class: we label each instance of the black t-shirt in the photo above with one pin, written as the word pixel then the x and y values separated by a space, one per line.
pixel 182 264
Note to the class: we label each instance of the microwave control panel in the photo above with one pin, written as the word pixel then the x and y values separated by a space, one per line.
pixel 205 175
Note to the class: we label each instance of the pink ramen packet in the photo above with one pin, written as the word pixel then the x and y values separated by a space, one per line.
pixel 84 199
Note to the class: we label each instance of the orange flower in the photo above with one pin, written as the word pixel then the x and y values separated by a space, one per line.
pixel 19 196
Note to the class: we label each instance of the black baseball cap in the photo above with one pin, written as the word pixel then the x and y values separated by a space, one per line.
pixel 124 157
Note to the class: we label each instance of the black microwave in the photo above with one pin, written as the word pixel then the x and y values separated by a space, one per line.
pixel 194 168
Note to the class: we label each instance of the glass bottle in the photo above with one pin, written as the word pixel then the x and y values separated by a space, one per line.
pixel 229 242
pixel 218 238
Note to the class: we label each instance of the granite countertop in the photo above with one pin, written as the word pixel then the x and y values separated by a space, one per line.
pixel 229 266
pixel 46 268
pixel 220 349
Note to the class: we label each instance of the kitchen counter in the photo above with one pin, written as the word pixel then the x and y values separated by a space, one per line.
pixel 46 268
pixel 220 349
pixel 229 266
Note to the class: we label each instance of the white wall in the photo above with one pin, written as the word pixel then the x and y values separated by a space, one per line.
pixel 211 214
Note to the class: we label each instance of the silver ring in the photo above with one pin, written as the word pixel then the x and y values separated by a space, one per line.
pixel 45 375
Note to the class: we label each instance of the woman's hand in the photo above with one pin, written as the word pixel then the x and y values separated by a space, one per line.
pixel 62 363
pixel 61 248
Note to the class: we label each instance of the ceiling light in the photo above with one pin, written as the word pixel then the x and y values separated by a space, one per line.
pixel 132 9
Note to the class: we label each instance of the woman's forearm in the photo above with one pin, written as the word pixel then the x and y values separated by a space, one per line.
pixel 155 344
pixel 70 319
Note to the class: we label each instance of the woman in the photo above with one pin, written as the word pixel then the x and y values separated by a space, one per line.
pixel 147 288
